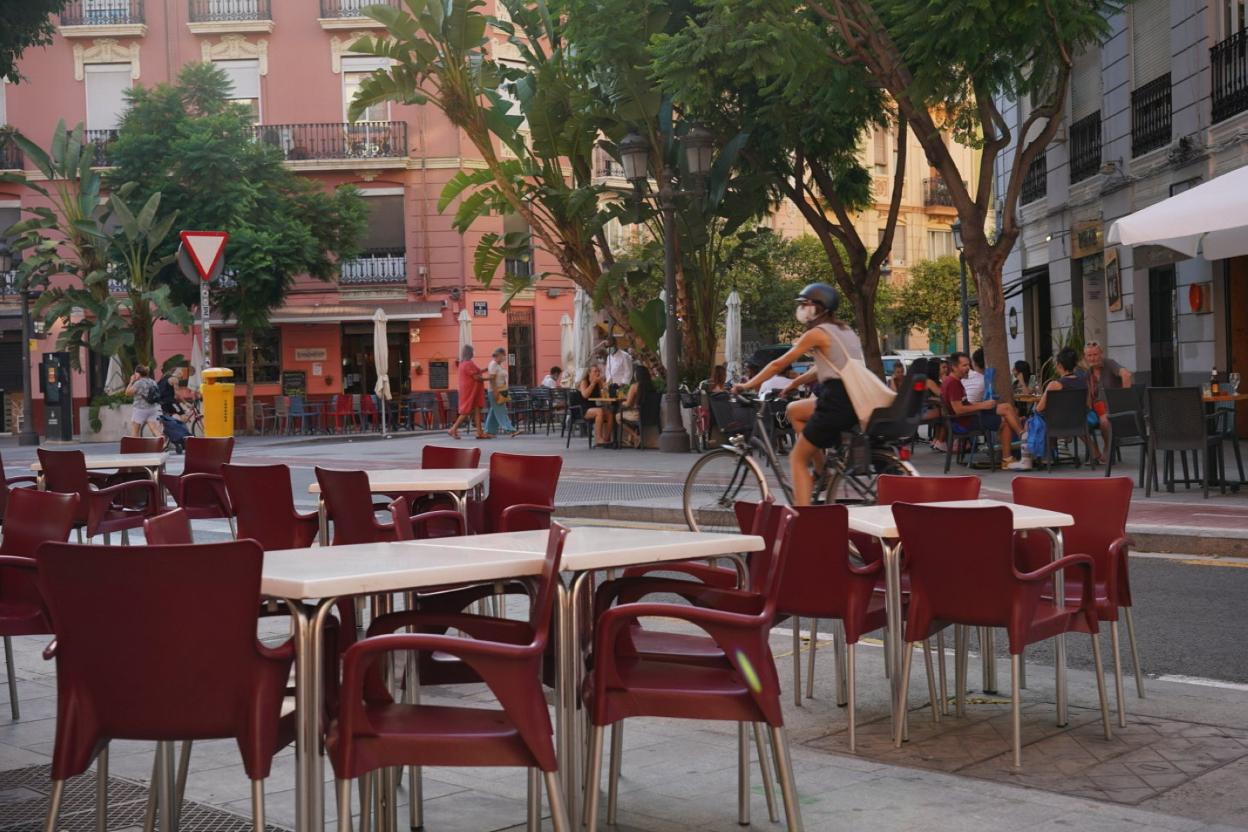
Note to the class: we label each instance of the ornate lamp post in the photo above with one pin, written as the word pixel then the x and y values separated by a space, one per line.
pixel 699 147
pixel 10 259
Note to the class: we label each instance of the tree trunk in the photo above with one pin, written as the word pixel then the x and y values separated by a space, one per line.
pixel 992 326
pixel 251 380
pixel 864 314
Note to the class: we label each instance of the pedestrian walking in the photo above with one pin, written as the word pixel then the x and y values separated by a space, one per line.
pixel 471 394
pixel 496 419
pixel 146 398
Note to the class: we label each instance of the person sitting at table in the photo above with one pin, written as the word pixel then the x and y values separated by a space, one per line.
pixel 974 383
pixel 1022 376
pixel 719 380
pixel 630 408
pixel 897 377
pixel 1102 373
pixel 987 413
pixel 594 386
pixel 1067 362
pixel 552 378
pixel 931 407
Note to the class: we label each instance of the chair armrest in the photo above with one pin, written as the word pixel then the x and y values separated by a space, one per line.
pixel 1084 562
pixel 49 652
pixel 423 520
pixel 284 652
pixel 504 520
pixel 12 481
pixel 479 627
pixel 631 590
pixel 99 500
pixel 716 576
pixel 17 562
pixel 211 484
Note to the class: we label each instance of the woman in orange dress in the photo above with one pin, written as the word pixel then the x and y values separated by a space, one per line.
pixel 471 394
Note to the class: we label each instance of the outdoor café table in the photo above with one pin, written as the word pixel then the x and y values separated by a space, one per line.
pixel 456 483
pixel 1211 458
pixel 878 522
pixel 151 464
pixel 321 575
pixel 612 403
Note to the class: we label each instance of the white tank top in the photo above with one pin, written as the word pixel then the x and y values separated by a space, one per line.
pixel 845 345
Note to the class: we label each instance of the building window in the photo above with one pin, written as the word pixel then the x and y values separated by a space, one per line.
pixel 354 71
pixel 1150 61
pixel 268 354
pixel 383 255
pixel 1085 84
pixel 245 80
pixel 107 85
pixel 879 143
pixel 1231 17
pixel 1228 63
pixel 939 244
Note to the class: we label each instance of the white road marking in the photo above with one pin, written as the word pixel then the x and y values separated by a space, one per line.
pixel 1208 683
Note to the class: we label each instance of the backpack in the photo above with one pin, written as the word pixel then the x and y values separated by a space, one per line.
pixel 149 393
pixel 1037 435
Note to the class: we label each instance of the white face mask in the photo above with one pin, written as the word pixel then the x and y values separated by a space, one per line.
pixel 806 313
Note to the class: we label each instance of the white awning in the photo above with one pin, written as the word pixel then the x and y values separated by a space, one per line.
pixel 1210 220
pixel 349 313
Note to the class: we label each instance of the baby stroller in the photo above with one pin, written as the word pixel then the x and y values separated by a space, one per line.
pixel 175 432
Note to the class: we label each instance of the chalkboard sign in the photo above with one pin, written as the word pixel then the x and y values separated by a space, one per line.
pixel 439 375
pixel 294 382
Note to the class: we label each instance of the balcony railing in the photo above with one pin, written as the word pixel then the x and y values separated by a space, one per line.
pixel 1085 147
pixel 1150 115
pixel 1035 181
pixel 336 140
pixel 374 267
pixel 936 192
pixel 1228 62
pixel 215 11
pixel 611 168
pixel 102 12
pixel 518 267
pixel 102 140
pixel 10 155
pixel 351 8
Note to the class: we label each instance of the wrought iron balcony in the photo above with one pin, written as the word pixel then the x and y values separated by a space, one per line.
pixel 375 267
pixel 611 168
pixel 103 142
pixel 1085 147
pixel 351 8
pixel 936 192
pixel 1228 63
pixel 102 12
pixel 1035 181
pixel 215 11
pixel 336 140
pixel 518 267
pixel 1150 115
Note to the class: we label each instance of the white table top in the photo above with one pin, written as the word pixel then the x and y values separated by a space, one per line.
pixel 877 521
pixel 335 571
pixel 97 462
pixel 420 479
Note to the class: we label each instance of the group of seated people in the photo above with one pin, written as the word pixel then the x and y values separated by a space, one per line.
pixel 594 385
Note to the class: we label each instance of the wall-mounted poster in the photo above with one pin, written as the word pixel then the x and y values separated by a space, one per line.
pixel 1113 281
pixel 439 375
pixel 311 354
pixel 229 345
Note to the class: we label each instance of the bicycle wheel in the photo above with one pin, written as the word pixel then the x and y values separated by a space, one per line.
pixel 197 425
pixel 845 487
pixel 715 482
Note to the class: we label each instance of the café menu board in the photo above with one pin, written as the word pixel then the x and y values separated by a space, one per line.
pixel 294 382
pixel 439 375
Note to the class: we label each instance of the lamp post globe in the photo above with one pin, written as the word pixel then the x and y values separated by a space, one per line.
pixel 635 157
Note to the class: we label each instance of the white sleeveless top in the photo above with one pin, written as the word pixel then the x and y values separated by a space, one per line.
pixel 845 345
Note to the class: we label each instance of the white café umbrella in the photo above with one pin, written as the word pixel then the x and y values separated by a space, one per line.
pixel 114 381
pixel 197 360
pixel 732 336
pixel 1210 220
pixel 582 334
pixel 566 355
pixel 381 362
pixel 465 330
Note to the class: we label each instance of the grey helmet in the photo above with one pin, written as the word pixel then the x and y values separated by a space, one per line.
pixel 824 294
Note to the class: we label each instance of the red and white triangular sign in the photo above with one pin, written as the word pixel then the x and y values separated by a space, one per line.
pixel 206 249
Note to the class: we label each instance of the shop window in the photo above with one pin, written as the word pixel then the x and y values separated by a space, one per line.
pixel 268 354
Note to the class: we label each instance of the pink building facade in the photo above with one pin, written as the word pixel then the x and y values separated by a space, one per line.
pixel 291 62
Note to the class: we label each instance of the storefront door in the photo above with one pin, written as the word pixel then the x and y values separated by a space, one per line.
pixel 1237 326
pixel 520 346
pixel 1161 327
pixel 359 373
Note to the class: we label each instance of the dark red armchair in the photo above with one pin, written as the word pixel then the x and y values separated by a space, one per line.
pixel 521 494
pixel 263 500
pixel 349 506
pixel 199 489
pixel 7 484
pixel 100 510
pixel 962 572
pixel 38 517
pixel 172 528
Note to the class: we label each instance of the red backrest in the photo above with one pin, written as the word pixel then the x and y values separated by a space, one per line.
pixel 155 672
pixel 172 528
pixel 1099 505
pixel 891 488
pixel 440 456
pixel 542 608
pixel 349 504
pixel 65 472
pixel 367 404
pixel 264 506
pixel 960 563
pixel 206 455
pixel 35 518
pixel 517 479
pixel 143 444
pixel 342 405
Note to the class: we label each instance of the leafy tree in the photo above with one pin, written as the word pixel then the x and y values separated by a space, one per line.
pixel 24 23
pixel 946 65
pixel 188 142
pixel 932 300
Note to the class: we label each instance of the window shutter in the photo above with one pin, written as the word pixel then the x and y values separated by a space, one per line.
pixel 244 75
pixel 106 94
pixel 1085 84
pixel 880 140
pixel 1150 40
pixel 899 245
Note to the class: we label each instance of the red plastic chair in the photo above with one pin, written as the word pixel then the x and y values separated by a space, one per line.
pixel 1100 510
pixel 142 675
pixel 370 418
pixel 172 528
pixel 742 688
pixel 434 457
pixel 38 517
pixel 373 731
pixel 343 413
pixel 199 489
pixel 100 510
pixel 130 445
pixel 263 501
pixel 962 571
pixel 521 495
pixel 349 506
pixel 7 484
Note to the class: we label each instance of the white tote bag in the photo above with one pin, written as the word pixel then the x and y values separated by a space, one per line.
pixel 866 390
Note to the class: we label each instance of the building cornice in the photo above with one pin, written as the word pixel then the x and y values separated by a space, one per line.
pixel 110 30
pixel 221 27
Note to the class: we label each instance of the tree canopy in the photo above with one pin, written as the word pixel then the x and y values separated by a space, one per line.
pixel 23 24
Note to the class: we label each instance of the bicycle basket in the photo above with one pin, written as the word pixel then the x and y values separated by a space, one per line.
pixel 860 454
pixel 732 417
pixel 688 399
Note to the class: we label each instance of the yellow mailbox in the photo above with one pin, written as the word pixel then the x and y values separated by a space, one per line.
pixel 218 395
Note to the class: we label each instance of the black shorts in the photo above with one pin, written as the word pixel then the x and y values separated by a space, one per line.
pixel 834 414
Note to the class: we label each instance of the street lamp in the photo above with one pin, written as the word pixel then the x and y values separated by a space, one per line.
pixel 699 147
pixel 959 244
pixel 10 259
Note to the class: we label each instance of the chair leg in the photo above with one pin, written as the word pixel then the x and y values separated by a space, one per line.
pixel 593 779
pixel 1016 719
pixel 743 775
pixel 8 663
pixel 810 660
pixel 184 767
pixel 764 767
pixel 1022 669
pixel 899 713
pixel 149 815
pixel 54 805
pixel 366 802
pixel 931 681
pixel 788 787
pixel 344 804
pixel 940 672
pixel 1135 653
pixel 558 811
pixel 960 660
pixel 535 801
pixel 257 804
pixel 165 806
pixel 851 683
pixel 797 661
pixel 1100 685
pixel 613 771
pixel 1117 657
pixel 416 797
pixel 838 658
pixel 101 791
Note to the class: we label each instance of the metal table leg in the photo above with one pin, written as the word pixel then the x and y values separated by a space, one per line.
pixel 308 626
pixel 892 604
pixel 1059 595
pixel 322 519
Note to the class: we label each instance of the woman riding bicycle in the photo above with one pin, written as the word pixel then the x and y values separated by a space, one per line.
pixel 831 343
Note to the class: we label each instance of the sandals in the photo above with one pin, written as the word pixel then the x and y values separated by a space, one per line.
pixel 453 433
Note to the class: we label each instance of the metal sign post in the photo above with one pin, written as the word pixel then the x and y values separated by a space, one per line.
pixel 201 258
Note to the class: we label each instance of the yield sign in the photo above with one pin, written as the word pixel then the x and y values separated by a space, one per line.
pixel 205 249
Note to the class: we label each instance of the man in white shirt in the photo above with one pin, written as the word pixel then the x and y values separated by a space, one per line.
pixel 619 368
pixel 973 384
pixel 552 378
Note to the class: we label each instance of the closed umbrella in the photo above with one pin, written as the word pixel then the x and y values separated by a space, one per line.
pixel 197 361
pixel 582 334
pixel 566 352
pixel 114 380
pixel 381 362
pixel 465 330
pixel 732 336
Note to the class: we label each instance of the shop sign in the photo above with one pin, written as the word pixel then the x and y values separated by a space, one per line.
pixel 311 354
pixel 1088 238
pixel 480 308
